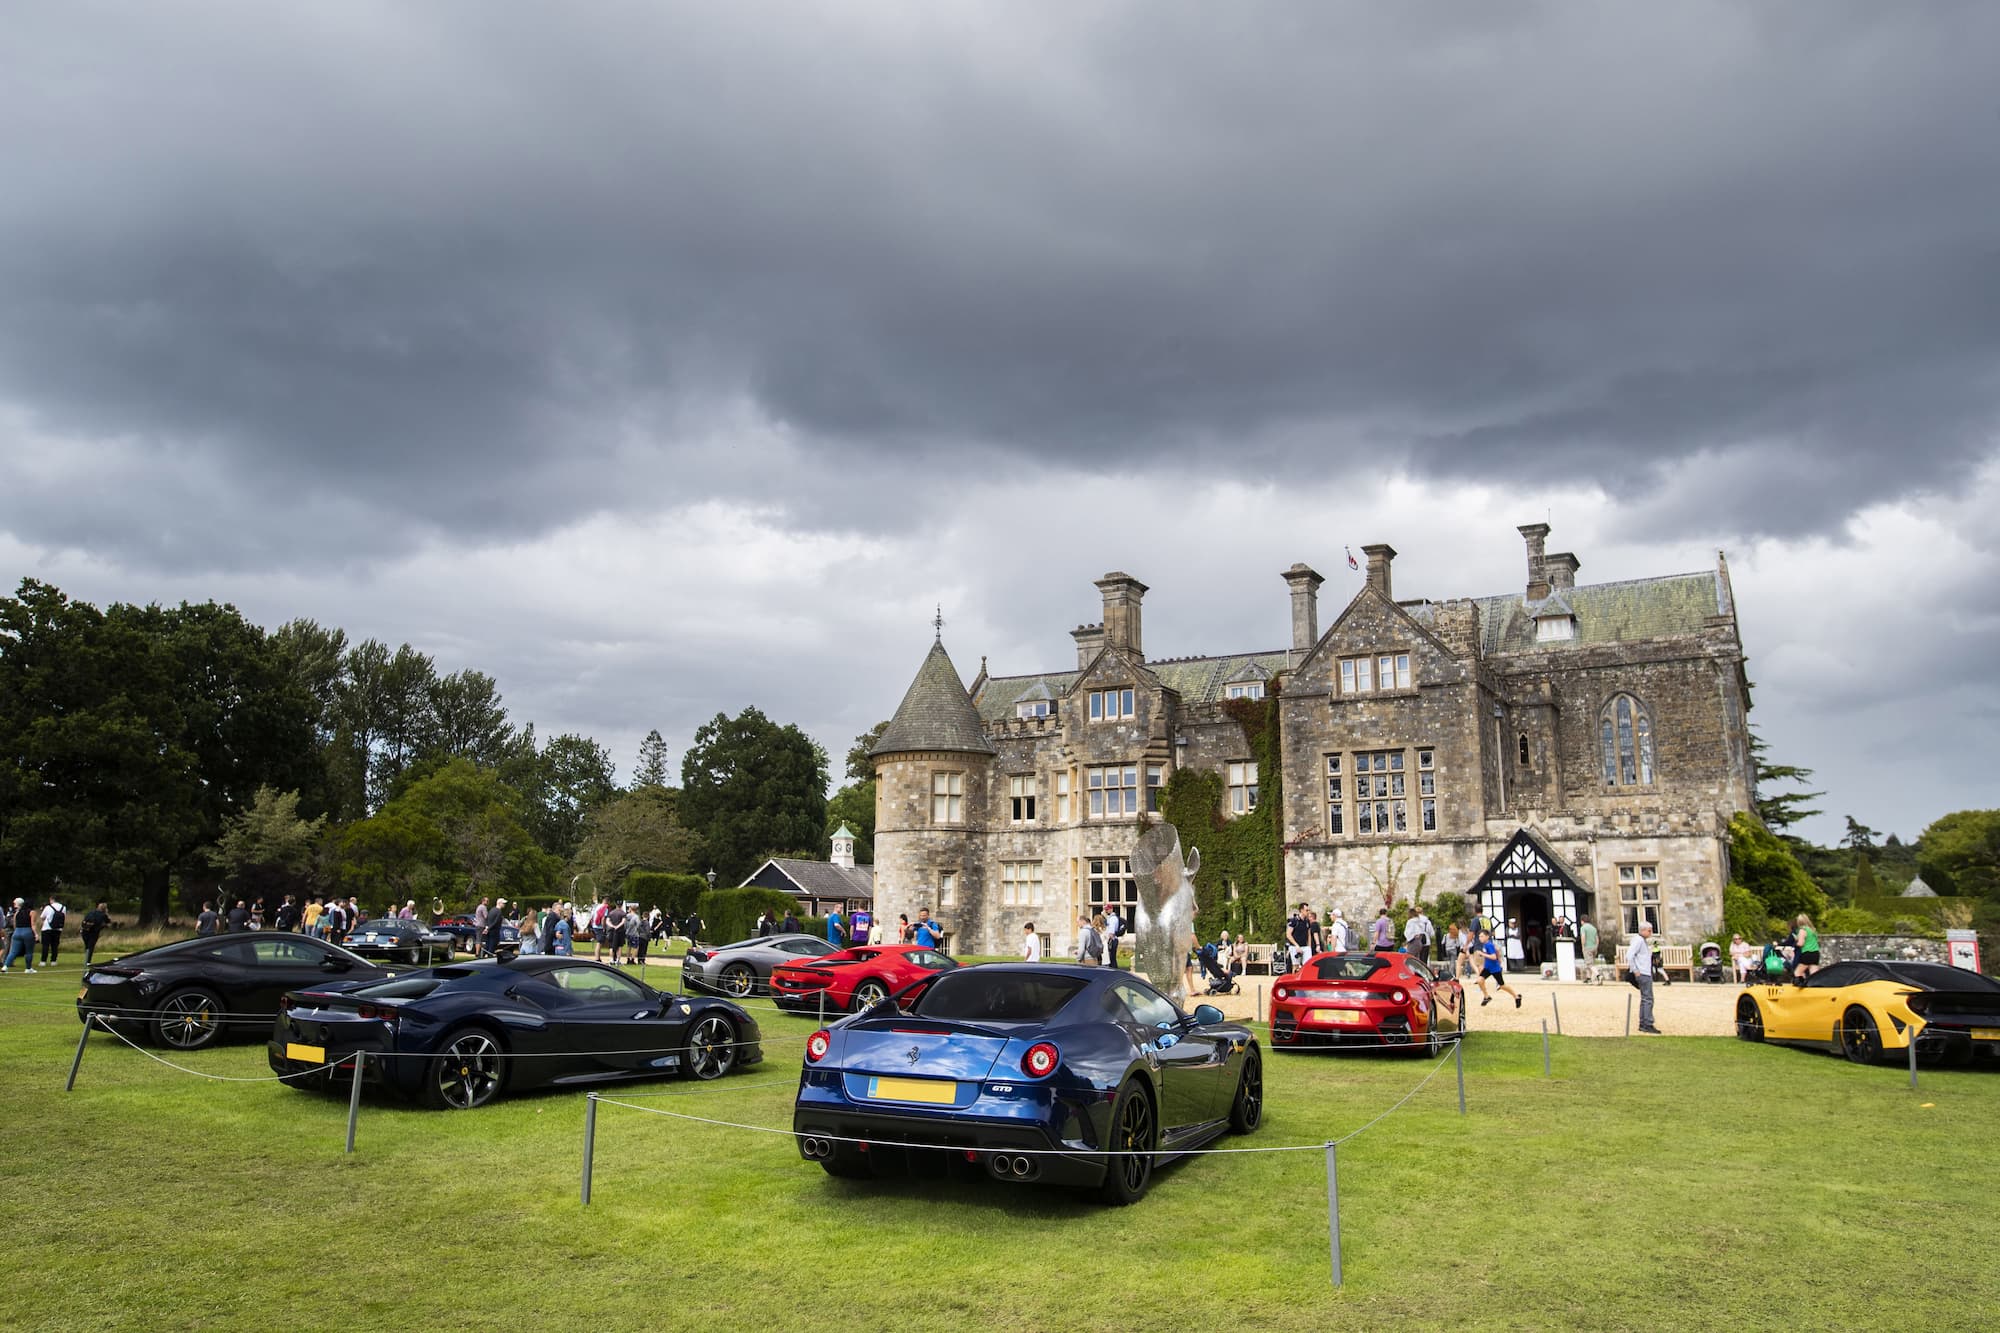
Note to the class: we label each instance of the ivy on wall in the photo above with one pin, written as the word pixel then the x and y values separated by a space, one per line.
pixel 1245 851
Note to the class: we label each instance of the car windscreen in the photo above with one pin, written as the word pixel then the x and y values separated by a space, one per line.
pixel 406 988
pixel 1937 976
pixel 1349 967
pixel 977 995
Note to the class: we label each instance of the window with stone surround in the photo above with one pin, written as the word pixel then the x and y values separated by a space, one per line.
pixel 1245 689
pixel 1062 797
pixel 1625 735
pixel 1639 896
pixel 1021 798
pixel 1336 798
pixel 1427 806
pixel 1156 778
pixel 1110 884
pixel 1110 705
pixel 1021 883
pixel 1381 794
pixel 948 888
pixel 1032 708
pixel 1369 675
pixel 947 798
pixel 1113 791
pixel 1242 787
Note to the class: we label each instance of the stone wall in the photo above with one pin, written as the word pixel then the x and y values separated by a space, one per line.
pixel 1849 948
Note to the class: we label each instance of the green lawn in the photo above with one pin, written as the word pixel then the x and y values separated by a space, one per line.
pixel 1658 1183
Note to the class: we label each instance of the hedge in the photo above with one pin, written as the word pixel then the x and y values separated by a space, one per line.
pixel 731 914
pixel 670 893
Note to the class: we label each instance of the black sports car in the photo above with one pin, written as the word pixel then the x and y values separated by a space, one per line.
pixel 400 941
pixel 466 936
pixel 460 1035
pixel 187 994
pixel 744 968
pixel 1054 1073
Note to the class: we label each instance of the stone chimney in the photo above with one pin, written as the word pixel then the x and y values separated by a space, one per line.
pixel 1379 557
pixel 1561 571
pixel 1089 638
pixel 1122 595
pixel 1304 584
pixel 1535 534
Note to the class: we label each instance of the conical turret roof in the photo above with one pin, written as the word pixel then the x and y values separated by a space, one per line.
pixel 936 714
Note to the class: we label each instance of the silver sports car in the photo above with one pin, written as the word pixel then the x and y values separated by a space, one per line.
pixel 744 968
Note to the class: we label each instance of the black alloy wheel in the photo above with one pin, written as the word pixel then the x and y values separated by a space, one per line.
pixel 1749 1019
pixel 189 1020
pixel 711 1048
pixel 1134 1136
pixel 738 980
pixel 1859 1039
pixel 869 994
pixel 1247 1112
pixel 469 1072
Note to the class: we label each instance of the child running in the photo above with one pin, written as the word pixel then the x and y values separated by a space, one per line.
pixel 1491 970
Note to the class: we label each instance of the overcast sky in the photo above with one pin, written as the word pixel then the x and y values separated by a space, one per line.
pixel 661 359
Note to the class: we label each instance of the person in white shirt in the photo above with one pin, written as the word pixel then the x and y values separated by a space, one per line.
pixel 1639 961
pixel 1417 936
pixel 1031 944
pixel 1114 926
pixel 52 929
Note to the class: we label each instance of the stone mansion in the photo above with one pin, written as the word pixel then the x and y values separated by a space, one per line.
pixel 1560 750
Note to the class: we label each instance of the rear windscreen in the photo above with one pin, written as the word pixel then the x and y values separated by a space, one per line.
pixel 976 996
pixel 1350 967
pixel 410 989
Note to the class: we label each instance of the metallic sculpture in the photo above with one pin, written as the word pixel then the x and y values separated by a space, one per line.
pixel 1164 932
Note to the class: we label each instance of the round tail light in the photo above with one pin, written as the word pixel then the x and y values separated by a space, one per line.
pixel 1279 993
pixel 816 1046
pixel 1399 997
pixel 1041 1060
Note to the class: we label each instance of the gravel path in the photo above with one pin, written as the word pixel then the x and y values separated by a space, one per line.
pixel 1684 1009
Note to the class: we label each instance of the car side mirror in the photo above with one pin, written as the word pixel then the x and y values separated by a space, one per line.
pixel 1205 1014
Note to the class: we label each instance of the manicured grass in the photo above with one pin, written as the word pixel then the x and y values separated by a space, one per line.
pixel 1680 1183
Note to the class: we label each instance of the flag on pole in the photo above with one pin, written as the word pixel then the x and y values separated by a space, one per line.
pixel 1352 563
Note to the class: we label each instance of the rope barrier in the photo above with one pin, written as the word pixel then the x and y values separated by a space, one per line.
pixel 222 1078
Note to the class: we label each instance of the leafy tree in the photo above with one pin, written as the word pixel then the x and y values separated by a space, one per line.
pixel 267 848
pixel 1780 810
pixel 1859 837
pixel 1762 863
pixel 1865 883
pixel 749 785
pixel 652 768
pixel 458 833
pixel 640 830
pixel 1960 854
pixel 464 718
pixel 860 768
pixel 854 806
pixel 404 723
pixel 391 856
pixel 576 776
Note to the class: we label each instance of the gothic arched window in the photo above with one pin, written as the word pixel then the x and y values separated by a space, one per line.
pixel 1625 733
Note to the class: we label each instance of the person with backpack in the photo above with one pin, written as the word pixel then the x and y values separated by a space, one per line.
pixel 1089 941
pixel 53 919
pixel 94 922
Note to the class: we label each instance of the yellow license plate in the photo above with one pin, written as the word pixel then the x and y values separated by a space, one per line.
pixel 931 1090
pixel 1336 1016
pixel 1986 1034
pixel 312 1055
pixel 83 994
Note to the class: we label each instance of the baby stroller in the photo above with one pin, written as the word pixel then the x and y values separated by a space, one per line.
pixel 1773 968
pixel 1711 963
pixel 1220 982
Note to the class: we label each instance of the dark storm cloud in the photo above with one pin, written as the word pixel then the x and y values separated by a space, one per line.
pixel 474 271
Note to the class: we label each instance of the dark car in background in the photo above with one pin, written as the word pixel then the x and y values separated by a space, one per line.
pixel 396 940
pixel 744 968
pixel 188 994
pixel 465 935
pixel 461 1035
pixel 1060 1074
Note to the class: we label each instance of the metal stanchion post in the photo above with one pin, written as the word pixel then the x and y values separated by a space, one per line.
pixel 589 1141
pixel 1545 1048
pixel 85 1035
pixel 1913 1060
pixel 354 1098
pixel 1333 1210
pixel 822 1007
pixel 1628 1015
pixel 1556 1005
pixel 1458 1055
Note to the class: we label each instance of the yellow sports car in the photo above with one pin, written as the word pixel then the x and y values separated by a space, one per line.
pixel 1867 1009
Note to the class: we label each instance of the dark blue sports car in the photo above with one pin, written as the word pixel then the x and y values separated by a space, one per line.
pixel 459 1036
pixel 1060 1074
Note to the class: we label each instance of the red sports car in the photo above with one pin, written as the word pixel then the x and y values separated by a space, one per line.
pixel 854 978
pixel 1366 999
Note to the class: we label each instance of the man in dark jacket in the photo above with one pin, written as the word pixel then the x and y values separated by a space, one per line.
pixel 495 919
pixel 791 922
pixel 239 918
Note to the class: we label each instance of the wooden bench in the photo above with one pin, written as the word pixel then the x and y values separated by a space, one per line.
pixel 1257 958
pixel 1672 958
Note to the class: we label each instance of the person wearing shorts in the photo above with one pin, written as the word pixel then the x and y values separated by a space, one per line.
pixel 1805 947
pixel 1487 954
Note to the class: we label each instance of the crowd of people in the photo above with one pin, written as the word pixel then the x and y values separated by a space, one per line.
pixel 29 926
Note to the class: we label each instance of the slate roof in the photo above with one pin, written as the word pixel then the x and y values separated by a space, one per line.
pixel 815 879
pixel 1623 612
pixel 1195 679
pixel 936 713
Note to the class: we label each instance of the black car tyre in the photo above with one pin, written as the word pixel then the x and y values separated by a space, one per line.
pixel 1135 1133
pixel 711 1048
pixel 189 1020
pixel 1859 1039
pixel 470 1071
pixel 1247 1111
pixel 868 994
pixel 739 981
pixel 1749 1019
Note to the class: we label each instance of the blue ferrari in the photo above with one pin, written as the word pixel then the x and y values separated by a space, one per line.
pixel 1048 1073
pixel 459 1036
